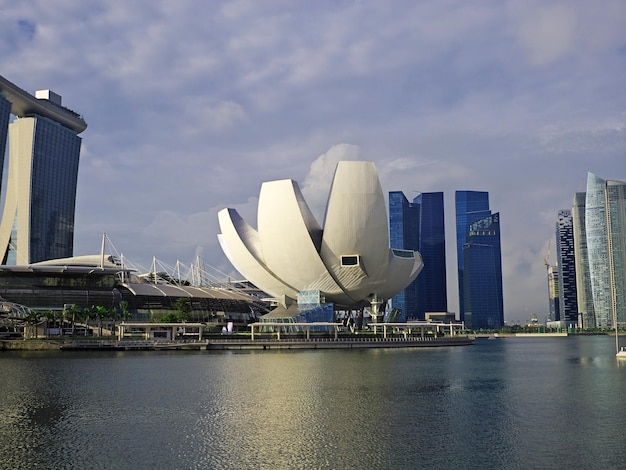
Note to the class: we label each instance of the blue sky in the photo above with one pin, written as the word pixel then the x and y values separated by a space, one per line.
pixel 192 105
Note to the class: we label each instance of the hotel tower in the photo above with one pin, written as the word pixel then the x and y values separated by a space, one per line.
pixel 40 197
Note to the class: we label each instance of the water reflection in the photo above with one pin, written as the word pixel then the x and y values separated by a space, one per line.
pixel 511 403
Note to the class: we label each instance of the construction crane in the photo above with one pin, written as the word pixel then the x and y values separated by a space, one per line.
pixel 546 260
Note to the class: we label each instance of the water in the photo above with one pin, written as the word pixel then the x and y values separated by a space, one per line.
pixel 506 403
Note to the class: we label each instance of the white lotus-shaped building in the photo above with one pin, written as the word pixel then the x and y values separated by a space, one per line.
pixel 348 260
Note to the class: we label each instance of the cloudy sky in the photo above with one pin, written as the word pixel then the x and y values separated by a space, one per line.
pixel 192 104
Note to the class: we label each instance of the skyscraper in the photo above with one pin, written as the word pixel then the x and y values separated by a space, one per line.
pixel 404 235
pixel 584 297
pixel 44 149
pixel 420 226
pixel 432 284
pixel 605 227
pixel 482 276
pixel 553 293
pixel 568 304
pixel 470 206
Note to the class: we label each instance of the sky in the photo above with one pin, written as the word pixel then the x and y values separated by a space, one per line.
pixel 192 105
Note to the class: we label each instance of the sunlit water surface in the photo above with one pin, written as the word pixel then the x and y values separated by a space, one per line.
pixel 505 403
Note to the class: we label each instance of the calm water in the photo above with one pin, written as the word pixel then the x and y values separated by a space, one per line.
pixel 506 403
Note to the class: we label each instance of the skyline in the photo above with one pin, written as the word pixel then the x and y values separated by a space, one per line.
pixel 191 108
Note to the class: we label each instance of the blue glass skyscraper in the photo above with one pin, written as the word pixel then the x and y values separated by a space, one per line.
pixel 483 299
pixel 404 235
pixel 568 305
pixel 470 206
pixel 420 226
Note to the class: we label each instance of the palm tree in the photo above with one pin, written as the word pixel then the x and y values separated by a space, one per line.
pixel 50 317
pixel 125 314
pixel 87 314
pixel 32 319
pixel 101 313
pixel 73 313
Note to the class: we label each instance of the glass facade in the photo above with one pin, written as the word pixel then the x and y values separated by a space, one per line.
pixel 605 229
pixel 419 226
pixel 568 307
pixel 584 298
pixel 470 206
pixel 46 155
pixel 404 235
pixel 484 307
pixel 431 283
pixel 5 114
pixel 616 231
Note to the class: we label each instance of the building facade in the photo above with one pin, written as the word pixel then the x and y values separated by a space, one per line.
pixel 554 306
pixel 567 268
pixel 470 206
pixel 483 297
pixel 420 226
pixel 584 297
pixel 605 227
pixel 44 150
pixel 404 235
pixel 348 260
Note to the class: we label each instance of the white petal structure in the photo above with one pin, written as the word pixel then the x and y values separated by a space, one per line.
pixel 348 260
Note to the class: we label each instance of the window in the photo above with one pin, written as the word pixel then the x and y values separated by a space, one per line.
pixel 350 260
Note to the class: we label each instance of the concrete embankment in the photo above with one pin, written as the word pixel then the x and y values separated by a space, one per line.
pixel 28 345
pixel 341 343
pixel 238 344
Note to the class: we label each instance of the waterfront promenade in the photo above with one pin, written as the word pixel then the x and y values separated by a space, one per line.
pixel 228 343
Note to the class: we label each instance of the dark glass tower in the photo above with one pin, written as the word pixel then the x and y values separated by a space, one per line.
pixel 404 235
pixel 432 287
pixel 44 150
pixel 420 226
pixel 568 305
pixel 483 301
pixel 470 206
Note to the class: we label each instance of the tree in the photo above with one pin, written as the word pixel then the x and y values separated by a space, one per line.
pixel 183 307
pixel 32 319
pixel 74 313
pixel 125 314
pixel 100 313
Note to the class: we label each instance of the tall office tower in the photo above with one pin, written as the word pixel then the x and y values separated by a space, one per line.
pixel 432 284
pixel 584 298
pixel 482 276
pixel 44 150
pixel 470 206
pixel 404 235
pixel 605 225
pixel 553 293
pixel 420 226
pixel 567 267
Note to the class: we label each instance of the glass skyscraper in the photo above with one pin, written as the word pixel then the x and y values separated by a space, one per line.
pixel 470 206
pixel 567 268
pixel 44 150
pixel 420 226
pixel 605 227
pixel 483 299
pixel 584 297
pixel 404 235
